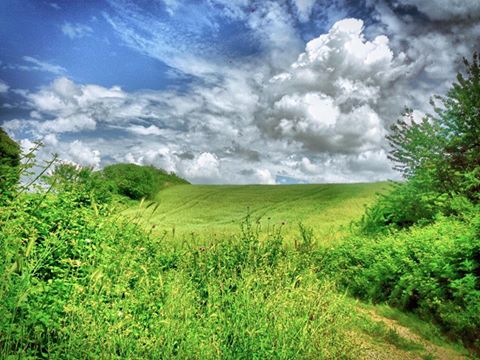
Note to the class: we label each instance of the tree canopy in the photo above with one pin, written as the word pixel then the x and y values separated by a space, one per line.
pixel 439 157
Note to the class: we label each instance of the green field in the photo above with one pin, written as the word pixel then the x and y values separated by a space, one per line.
pixel 219 209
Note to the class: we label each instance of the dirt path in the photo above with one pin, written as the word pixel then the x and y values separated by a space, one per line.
pixel 373 350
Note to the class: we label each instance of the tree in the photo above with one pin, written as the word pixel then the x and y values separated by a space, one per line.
pixel 445 148
pixel 459 120
pixel 9 150
pixel 439 157
pixel 9 163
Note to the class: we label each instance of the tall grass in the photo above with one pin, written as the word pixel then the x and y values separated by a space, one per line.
pixel 78 281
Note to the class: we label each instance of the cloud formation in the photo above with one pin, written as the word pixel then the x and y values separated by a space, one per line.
pixel 332 99
pixel 308 111
pixel 447 10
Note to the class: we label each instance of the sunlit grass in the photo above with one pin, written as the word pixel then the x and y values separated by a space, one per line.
pixel 211 211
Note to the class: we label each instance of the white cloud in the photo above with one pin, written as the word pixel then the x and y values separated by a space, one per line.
pixel 204 167
pixel 317 113
pixel 76 31
pixel 332 98
pixel 38 65
pixel 264 176
pixel 26 145
pixel 3 87
pixel 142 130
pixel 308 167
pixel 213 133
pixel 50 140
pixel 304 9
pixel 72 123
pixel 83 155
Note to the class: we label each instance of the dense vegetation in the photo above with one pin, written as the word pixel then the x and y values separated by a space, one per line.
pixel 9 161
pixel 439 156
pixel 431 270
pixel 78 281
pixel 137 182
pixel 418 247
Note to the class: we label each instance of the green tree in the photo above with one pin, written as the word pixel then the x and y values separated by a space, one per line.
pixel 447 143
pixel 87 185
pixel 439 156
pixel 459 119
pixel 9 150
pixel 9 164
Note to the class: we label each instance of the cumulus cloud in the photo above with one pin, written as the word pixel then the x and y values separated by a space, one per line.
pixel 323 110
pixel 68 107
pixel 332 99
pixel 76 31
pixel 204 167
pixel 433 43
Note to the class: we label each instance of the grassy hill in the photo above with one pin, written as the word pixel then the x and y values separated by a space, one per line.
pixel 218 209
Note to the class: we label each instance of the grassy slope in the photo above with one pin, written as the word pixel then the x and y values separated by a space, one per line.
pixel 210 209
pixel 207 210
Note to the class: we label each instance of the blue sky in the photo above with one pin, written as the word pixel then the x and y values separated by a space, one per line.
pixel 221 91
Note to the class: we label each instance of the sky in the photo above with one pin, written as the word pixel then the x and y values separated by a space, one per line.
pixel 228 91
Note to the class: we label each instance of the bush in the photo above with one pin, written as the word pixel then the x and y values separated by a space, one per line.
pixel 407 204
pixel 137 182
pixel 9 164
pixel 433 271
pixel 89 186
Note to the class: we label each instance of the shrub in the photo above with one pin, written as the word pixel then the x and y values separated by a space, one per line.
pixel 9 164
pixel 136 182
pixel 88 185
pixel 433 271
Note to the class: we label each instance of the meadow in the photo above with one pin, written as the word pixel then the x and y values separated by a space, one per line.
pixel 133 262
pixel 217 210
pixel 81 280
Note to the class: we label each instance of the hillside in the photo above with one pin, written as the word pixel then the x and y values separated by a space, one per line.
pixel 218 209
pixel 139 181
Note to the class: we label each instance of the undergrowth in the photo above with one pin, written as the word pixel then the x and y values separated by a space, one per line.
pixel 79 281
pixel 432 271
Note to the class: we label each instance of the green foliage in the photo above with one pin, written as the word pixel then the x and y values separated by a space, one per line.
pixel 439 157
pixel 137 182
pixel 9 163
pixel 78 281
pixel 430 270
pixel 9 150
pixel 89 186
pixel 413 202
